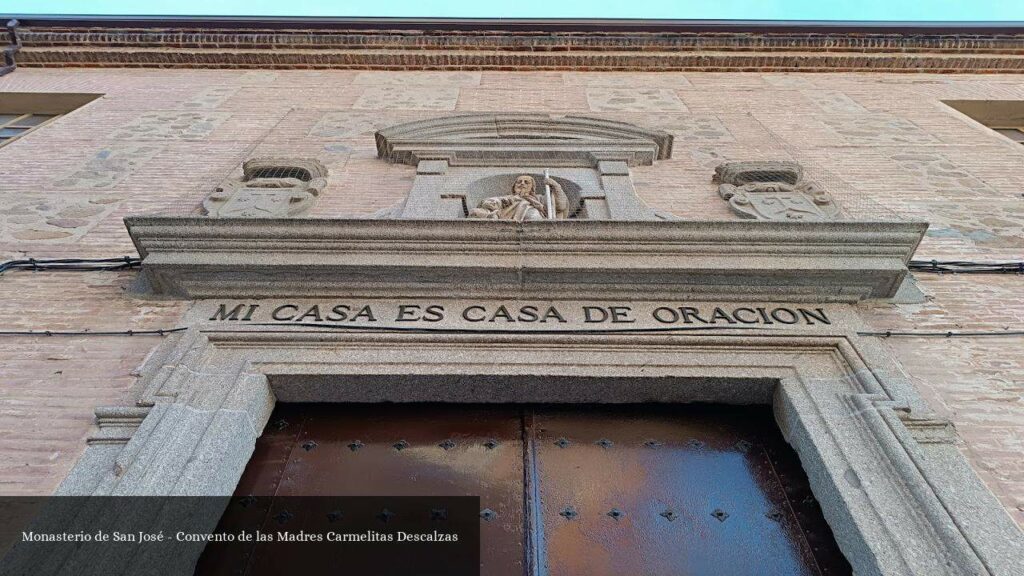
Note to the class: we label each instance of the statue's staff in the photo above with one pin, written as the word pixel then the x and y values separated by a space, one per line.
pixel 547 196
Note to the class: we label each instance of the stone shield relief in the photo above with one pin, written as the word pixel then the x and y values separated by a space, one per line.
pixel 775 191
pixel 269 188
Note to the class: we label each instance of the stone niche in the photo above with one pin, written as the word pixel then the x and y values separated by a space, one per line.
pixel 462 160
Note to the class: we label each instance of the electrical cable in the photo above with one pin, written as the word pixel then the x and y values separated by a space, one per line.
pixel 72 264
pixel 157 332
pixel 946 334
pixel 126 262
pixel 966 267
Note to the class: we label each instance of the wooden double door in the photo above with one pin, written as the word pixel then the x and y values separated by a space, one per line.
pixel 568 489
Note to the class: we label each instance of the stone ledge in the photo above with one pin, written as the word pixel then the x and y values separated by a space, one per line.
pixel 194 257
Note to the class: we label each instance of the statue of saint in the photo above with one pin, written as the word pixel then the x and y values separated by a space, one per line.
pixel 523 203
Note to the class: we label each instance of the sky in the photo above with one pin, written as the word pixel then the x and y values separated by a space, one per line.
pixel 891 10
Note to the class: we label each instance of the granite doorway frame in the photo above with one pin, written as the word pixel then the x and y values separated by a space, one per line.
pixel 899 496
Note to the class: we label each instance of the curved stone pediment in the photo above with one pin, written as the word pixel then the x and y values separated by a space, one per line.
pixel 496 139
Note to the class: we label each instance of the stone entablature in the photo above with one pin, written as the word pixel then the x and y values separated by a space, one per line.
pixel 705 260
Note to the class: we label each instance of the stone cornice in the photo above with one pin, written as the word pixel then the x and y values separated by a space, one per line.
pixel 196 257
pixel 680 48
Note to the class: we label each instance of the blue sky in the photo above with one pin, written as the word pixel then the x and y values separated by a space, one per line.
pixel 902 10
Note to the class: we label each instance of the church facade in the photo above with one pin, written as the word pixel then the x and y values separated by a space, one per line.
pixel 593 229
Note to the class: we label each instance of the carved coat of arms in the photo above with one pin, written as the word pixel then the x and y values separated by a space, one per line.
pixel 773 191
pixel 269 188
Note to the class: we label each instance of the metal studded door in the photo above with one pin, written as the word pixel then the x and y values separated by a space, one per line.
pixel 673 490
pixel 386 450
pixel 597 490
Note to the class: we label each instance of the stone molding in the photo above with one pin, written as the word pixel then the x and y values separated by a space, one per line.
pixel 899 504
pixel 930 430
pixel 774 261
pixel 693 49
pixel 117 424
pixel 512 139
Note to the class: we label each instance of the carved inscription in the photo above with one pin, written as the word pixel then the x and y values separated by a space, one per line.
pixel 491 315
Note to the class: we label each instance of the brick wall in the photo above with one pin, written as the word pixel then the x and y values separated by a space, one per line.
pixel 604 46
pixel 160 140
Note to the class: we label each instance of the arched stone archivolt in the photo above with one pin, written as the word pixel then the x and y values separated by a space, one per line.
pixel 588 159
pixel 501 138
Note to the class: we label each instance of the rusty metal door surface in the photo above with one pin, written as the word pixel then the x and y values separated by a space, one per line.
pixel 670 490
pixel 564 490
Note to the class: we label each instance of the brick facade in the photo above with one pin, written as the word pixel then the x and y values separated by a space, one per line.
pixel 527 46
pixel 884 145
